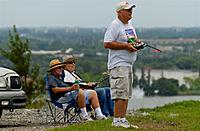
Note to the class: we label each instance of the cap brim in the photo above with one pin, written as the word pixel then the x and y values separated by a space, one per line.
pixel 130 6
pixel 70 59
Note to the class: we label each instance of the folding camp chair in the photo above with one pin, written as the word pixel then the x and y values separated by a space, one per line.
pixel 55 112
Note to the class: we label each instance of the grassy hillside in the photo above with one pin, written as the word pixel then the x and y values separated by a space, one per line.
pixel 172 117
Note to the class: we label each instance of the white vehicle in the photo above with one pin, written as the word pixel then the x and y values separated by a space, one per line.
pixel 11 94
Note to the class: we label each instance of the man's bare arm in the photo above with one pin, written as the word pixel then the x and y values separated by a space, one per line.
pixel 119 46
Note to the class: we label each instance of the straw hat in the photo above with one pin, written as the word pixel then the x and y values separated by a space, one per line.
pixel 55 63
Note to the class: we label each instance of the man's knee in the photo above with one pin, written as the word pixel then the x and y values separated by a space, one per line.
pixel 81 93
pixel 93 93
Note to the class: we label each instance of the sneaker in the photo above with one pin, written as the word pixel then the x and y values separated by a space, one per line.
pixel 86 118
pixel 134 126
pixel 118 123
pixel 126 124
pixel 102 117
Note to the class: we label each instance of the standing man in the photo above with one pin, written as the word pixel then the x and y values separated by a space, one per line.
pixel 121 57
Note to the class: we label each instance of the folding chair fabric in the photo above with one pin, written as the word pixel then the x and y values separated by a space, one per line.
pixel 55 111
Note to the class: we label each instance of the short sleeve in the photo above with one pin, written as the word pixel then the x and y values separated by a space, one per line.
pixel 51 82
pixel 111 33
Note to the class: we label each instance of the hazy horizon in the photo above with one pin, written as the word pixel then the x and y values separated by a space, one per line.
pixel 97 13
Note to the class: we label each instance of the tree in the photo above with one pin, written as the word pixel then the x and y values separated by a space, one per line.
pixel 143 84
pixel 135 79
pixel 166 87
pixel 194 83
pixel 20 55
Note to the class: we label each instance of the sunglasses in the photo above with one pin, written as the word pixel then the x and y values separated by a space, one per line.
pixel 71 62
pixel 129 10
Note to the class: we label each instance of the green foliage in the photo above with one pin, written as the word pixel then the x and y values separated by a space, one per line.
pixel 135 79
pixel 166 87
pixel 194 83
pixel 19 52
pixel 89 41
pixel 184 62
pixel 35 72
pixel 36 104
pixel 162 86
pixel 143 83
pixel 183 87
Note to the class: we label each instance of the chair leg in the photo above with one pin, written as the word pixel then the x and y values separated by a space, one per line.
pixel 69 115
pixel 51 110
pixel 72 115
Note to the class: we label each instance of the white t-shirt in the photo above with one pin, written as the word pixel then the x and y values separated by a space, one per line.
pixel 117 31
pixel 70 77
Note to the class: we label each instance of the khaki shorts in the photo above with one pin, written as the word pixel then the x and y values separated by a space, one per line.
pixel 121 79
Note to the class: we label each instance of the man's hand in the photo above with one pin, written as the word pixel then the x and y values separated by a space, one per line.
pixel 75 87
pixel 91 84
pixel 130 47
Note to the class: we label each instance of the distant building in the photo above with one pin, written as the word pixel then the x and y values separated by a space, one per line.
pixel 177 41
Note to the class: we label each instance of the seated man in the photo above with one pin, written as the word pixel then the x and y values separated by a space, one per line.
pixel 69 76
pixel 62 93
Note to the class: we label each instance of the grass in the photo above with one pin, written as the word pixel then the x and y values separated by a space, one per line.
pixel 172 117
pixel 189 92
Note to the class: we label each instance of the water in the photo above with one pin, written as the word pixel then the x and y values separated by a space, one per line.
pixel 155 101
pixel 138 99
pixel 176 74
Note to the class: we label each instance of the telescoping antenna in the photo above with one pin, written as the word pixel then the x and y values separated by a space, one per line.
pixel 153 48
pixel 141 45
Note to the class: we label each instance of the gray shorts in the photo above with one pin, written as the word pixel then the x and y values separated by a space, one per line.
pixel 68 97
pixel 72 95
pixel 121 79
pixel 87 94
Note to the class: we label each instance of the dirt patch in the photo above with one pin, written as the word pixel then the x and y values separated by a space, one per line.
pixel 25 120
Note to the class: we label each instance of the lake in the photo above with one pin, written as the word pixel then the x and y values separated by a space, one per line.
pixel 155 101
pixel 138 99
pixel 176 74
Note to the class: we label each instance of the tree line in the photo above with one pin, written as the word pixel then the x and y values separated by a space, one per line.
pixel 91 66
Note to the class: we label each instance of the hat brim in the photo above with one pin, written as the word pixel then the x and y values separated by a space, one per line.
pixel 70 60
pixel 126 7
pixel 61 65
pixel 130 6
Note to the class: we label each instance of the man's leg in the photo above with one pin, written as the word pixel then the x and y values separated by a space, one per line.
pixel 102 101
pixel 124 108
pixel 120 108
pixel 81 99
pixel 110 102
pixel 81 104
pixel 120 85
pixel 93 99
pixel 117 108
pixel 95 104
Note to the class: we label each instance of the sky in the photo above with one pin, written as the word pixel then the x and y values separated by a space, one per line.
pixel 98 13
